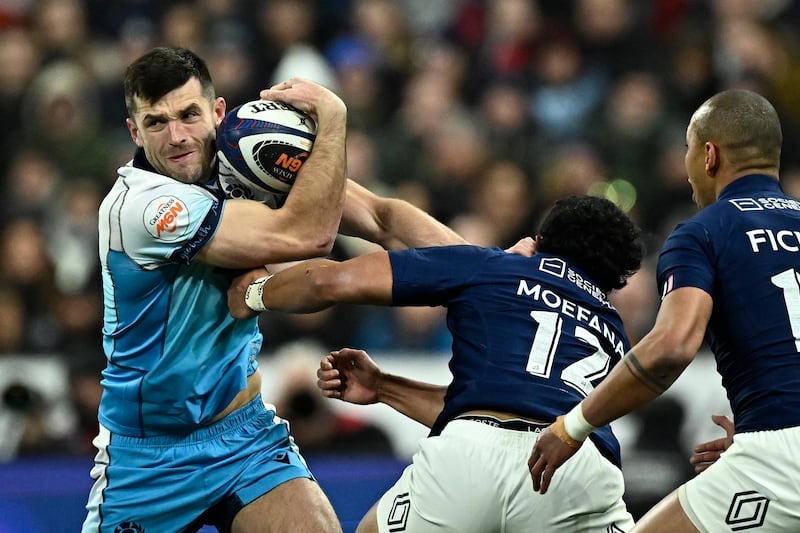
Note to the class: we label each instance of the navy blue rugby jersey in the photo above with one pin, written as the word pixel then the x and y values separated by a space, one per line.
pixel 531 336
pixel 744 250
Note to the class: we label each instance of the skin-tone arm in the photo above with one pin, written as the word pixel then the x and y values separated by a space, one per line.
pixel 315 284
pixel 393 223
pixel 351 375
pixel 643 374
pixel 251 234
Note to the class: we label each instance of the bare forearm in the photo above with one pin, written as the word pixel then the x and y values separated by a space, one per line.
pixel 406 226
pixel 656 361
pixel 316 201
pixel 313 285
pixel 417 400
pixel 393 223
pixel 290 290
pixel 634 382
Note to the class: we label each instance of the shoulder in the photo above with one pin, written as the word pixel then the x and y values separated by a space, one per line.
pixel 151 193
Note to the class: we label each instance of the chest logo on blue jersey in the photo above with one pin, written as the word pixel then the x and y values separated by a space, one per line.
pixel 553 266
pixel 166 218
pixel 765 203
pixel 746 204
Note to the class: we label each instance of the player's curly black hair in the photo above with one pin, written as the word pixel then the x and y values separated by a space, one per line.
pixel 597 236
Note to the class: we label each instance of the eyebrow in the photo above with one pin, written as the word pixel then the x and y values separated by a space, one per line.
pixel 162 116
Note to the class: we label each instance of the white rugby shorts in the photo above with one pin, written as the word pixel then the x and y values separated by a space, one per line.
pixel 754 486
pixel 475 478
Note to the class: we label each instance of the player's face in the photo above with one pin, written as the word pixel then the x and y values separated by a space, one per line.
pixel 178 132
pixel 703 192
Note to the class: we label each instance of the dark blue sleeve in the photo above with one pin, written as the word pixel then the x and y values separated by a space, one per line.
pixel 430 276
pixel 686 260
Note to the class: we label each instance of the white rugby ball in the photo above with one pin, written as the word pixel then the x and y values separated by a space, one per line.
pixel 261 146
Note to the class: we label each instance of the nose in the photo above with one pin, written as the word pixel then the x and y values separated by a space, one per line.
pixel 177 134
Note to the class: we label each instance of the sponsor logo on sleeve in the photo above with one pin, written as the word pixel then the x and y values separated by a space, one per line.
pixel 166 218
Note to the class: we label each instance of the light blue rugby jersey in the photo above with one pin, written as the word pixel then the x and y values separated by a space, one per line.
pixel 175 355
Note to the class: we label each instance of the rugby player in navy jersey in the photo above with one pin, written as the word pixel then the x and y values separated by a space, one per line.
pixel 532 335
pixel 185 438
pixel 730 274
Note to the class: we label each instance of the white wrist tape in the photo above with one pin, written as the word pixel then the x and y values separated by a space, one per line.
pixel 576 425
pixel 254 294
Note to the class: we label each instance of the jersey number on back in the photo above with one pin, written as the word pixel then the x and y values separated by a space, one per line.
pixel 788 281
pixel 580 374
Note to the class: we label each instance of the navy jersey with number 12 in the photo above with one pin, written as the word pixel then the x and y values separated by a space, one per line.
pixel 531 336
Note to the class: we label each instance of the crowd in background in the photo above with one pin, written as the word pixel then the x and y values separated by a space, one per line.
pixel 482 112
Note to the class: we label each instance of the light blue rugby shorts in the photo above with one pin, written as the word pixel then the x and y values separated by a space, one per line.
pixel 179 483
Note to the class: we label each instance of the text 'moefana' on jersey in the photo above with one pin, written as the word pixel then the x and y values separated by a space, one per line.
pixel 531 336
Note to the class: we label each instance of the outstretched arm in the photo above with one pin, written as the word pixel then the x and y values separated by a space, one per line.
pixel 313 285
pixel 352 376
pixel 393 223
pixel 644 373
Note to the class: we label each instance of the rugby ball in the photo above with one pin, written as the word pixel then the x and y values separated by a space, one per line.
pixel 261 146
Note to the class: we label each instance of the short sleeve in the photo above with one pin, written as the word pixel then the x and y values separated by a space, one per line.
pixel 686 260
pixel 167 221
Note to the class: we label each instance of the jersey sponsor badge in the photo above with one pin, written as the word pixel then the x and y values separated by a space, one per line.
pixel 166 218
pixel 553 266
pixel 746 204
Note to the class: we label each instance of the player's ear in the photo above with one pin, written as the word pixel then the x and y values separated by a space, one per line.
pixel 712 158
pixel 220 106
pixel 134 130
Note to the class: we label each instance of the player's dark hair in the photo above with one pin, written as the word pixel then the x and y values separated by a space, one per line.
pixel 597 236
pixel 162 70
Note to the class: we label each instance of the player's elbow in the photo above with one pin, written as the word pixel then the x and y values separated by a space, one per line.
pixel 312 240
pixel 317 245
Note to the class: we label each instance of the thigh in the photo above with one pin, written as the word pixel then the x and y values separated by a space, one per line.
pixel 666 517
pixel 369 524
pixel 298 505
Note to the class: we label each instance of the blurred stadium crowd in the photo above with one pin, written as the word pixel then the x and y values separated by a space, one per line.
pixel 480 111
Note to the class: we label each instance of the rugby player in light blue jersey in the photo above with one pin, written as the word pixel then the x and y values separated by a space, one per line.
pixel 185 438
pixel 730 274
pixel 532 336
